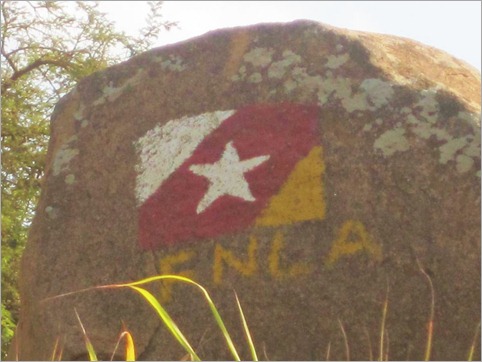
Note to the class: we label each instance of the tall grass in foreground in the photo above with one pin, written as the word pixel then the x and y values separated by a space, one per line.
pixel 192 355
pixel 166 318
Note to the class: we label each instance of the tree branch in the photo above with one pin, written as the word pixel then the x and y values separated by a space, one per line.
pixel 44 73
pixel 9 60
pixel 35 47
pixel 32 66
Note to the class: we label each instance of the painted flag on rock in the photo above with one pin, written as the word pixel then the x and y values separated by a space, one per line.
pixel 221 172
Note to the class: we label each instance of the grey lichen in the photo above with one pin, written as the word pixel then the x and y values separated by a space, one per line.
pixel 464 163
pixel 392 141
pixel 70 179
pixel 378 91
pixel 449 149
pixel 111 93
pixel 279 68
pixel 52 212
pixel 173 63
pixel 429 105
pixel 79 114
pixel 64 156
pixel 259 57
pixel 336 61
pixel 255 78
pixel 421 119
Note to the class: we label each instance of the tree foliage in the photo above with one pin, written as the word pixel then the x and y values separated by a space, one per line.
pixel 46 47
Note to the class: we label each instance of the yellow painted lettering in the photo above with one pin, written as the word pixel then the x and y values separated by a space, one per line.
pixel 167 264
pixel 276 271
pixel 352 238
pixel 244 267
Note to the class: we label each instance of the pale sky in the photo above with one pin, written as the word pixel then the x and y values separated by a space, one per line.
pixel 452 26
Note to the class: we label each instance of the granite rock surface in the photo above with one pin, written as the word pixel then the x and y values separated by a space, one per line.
pixel 318 172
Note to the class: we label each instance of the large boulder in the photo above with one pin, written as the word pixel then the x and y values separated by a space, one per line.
pixel 327 176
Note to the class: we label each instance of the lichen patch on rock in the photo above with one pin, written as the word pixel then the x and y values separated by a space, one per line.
pixel 64 156
pixel 392 141
pixel 110 92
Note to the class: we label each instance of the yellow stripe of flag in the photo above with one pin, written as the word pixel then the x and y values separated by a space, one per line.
pixel 301 197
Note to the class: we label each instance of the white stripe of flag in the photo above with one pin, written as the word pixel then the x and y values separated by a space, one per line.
pixel 164 148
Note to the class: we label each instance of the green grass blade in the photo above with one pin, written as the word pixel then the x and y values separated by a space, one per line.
pixel 221 325
pixel 213 308
pixel 56 354
pixel 153 302
pixel 382 328
pixel 370 350
pixel 474 342
pixel 217 317
pixel 345 339
pixel 388 346
pixel 88 345
pixel 246 330
pixel 428 348
pixel 166 318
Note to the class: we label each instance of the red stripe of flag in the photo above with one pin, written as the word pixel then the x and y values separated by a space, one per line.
pixel 284 132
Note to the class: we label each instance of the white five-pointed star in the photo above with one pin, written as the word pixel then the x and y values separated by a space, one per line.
pixel 226 176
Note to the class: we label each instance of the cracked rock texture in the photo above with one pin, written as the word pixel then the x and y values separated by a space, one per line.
pixel 399 125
